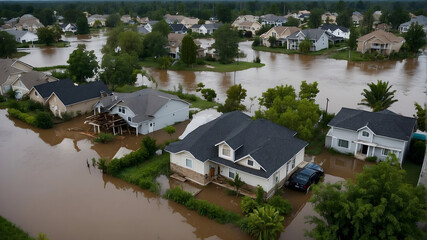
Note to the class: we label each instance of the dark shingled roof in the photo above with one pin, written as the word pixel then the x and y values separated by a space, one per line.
pixel 334 27
pixel 384 123
pixel 178 27
pixel 271 145
pixel 71 94
pixel 312 34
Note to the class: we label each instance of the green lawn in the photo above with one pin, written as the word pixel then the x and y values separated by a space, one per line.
pixel 283 50
pixel 9 231
pixel 196 102
pixel 208 66
pixel 19 54
pixel 412 172
pixel 42 69
pixel 128 89
pixel 354 56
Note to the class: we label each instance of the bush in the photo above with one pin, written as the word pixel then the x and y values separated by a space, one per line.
pixel 25 117
pixel 33 106
pixel 2 98
pixel 248 205
pixel 200 61
pixel 145 183
pixel 114 167
pixel 257 60
pixel 43 120
pixel 178 195
pixel 371 159
pixel 150 144
pixel 104 137
pixel 208 94
pixel 67 116
pixel 283 206
pixel 260 195
pixel 256 42
pixel 417 151
pixel 134 158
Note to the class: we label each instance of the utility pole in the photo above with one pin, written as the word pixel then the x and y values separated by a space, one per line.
pixel 327 101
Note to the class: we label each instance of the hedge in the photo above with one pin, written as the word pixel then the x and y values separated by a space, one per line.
pixel 22 116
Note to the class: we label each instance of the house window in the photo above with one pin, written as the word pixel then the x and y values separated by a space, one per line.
pixel 35 93
pixel 189 163
pixel 129 119
pixel 250 162
pixel 226 152
pixel 231 173
pixel 122 110
pixel 385 152
pixel 365 134
pixel 342 143
pixel 293 163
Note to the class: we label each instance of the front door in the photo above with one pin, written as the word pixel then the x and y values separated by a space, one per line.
pixel 364 149
pixel 151 127
pixel 211 171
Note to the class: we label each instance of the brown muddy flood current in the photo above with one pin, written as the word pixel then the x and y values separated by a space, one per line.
pixel 45 186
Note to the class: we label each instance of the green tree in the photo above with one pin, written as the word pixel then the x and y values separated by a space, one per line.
pixel 162 27
pixel 421 116
pixel 226 43
pixel 223 13
pixel 71 15
pixel 131 43
pixel 45 16
pixel 237 183
pixel 379 205
pixel 44 120
pixel 305 46
pixel 7 44
pixel 46 35
pixel 415 38
pixel 170 130
pixel 82 25
pixel 292 22
pixel 188 50
pixel 315 19
pixel 120 70
pixel 308 91
pixel 154 43
pixel 272 41
pixel 208 94
pixel 378 97
pixel 398 16
pixel 344 18
pixel 235 95
pixel 341 6
pixel 102 165
pixel 82 64
pixel 97 24
pixel 260 195
pixel 265 223
pixel 113 20
pixel 112 40
pixel 256 42
pixel 352 41
pixel 368 21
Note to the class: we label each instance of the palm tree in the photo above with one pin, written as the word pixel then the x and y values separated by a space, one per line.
pixel 378 96
pixel 265 223
pixel 237 183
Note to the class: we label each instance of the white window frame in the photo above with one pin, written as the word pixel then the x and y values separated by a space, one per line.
pixel 250 161
pixel 383 151
pixel 224 150
pixel 188 163
pixel 293 163
pixel 348 143
pixel 129 119
pixel 232 171
pixel 363 134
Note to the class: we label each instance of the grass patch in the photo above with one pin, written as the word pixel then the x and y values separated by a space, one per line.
pixel 59 44
pixel 8 230
pixel 19 54
pixel 209 66
pixel 412 172
pixel 315 145
pixel 128 89
pixel 283 50
pixel 355 56
pixel 196 102
pixel 42 69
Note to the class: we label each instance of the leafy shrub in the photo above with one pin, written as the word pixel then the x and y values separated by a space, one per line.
pixel 200 61
pixel 257 60
pixel 145 183
pixel 22 116
pixel 33 106
pixel 283 206
pixel 2 98
pixel 178 195
pixel 104 137
pixel 248 205
pixel 371 159
pixel 13 104
pixel 66 116
pixel 60 75
pixel 417 151
pixel 256 42
pixel 150 144
pixel 114 167
pixel 259 195
pixel 209 94
pixel 44 120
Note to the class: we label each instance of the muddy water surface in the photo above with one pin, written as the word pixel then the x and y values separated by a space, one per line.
pixel 45 186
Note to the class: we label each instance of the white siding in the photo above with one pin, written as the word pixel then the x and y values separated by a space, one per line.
pixel 180 160
pixel 244 162
pixel 224 146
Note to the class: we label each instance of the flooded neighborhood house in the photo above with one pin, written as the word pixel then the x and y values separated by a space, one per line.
pixel 370 134
pixel 260 151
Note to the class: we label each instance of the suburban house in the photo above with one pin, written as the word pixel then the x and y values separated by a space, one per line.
pixel 186 21
pixel 338 31
pixel 96 17
pixel 189 21
pixel 142 30
pixel 64 97
pixel 280 33
pixel 383 26
pixel 248 27
pixel 271 19
pixel 26 81
pixel 23 36
pixel 377 15
pixel 260 151
pixel 380 41
pixel 150 24
pixel 178 28
pixel 421 20
pixel 126 19
pixel 195 28
pixel 209 28
pixel 244 18
pixel 146 110
pixel 357 18
pixel 175 43
pixel 69 27
pixel 331 17
pixel 319 39
pixel 28 23
pixel 368 134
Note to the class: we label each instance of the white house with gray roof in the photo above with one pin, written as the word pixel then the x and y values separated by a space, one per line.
pixel 146 110
pixel 23 36
pixel 260 151
pixel 421 20
pixel 318 38
pixel 368 134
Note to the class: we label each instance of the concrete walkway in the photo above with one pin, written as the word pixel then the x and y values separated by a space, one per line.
pixel 423 180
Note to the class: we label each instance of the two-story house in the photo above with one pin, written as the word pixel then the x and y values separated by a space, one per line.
pixel 318 38
pixel 336 30
pixel 280 33
pixel 260 151
pixel 379 41
pixel 368 134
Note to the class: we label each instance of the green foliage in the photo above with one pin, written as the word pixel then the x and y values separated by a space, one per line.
pixel 104 137
pixel 82 25
pixel 208 94
pixel 162 27
pixel 113 20
pixel 170 130
pixel 7 44
pixel 315 19
pixel 235 95
pixel 398 16
pixel 8 230
pixel 421 116
pixel 223 13
pixel 352 41
pixel 292 22
pixel 260 195
pixel 368 21
pixel 43 120
pixel 378 97
pixel 120 70
pixel 165 62
pixel 178 195
pixel 248 205
pixel 149 143
pixel 415 38
pixel 131 43
pixel 344 18
pixel 237 183
pixel 265 223
pixel 371 159
pixel 272 41
pixel 305 46
pixel 154 43
pixel 42 236
pixel 264 28
pixel 256 42
pixel 380 205
pixel 417 151
pixel 308 91
pixel 283 206
pixel 25 117
pixel 11 93
pixel 57 32
pixel 82 64
pixel 102 164
pixel 188 50
pixel 226 43
pixel 46 35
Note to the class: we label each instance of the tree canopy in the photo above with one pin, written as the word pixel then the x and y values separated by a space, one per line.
pixel 292 22
pixel 162 27
pixel 82 25
pixel 315 19
pixel 82 64
pixel 113 20
pixel 265 223
pixel 226 43
pixel 379 205
pixel 344 18
pixel 235 95
pixel 131 43
pixel 46 35
pixel 352 41
pixel 378 97
pixel 188 50
pixel 305 46
pixel 120 70
pixel 421 116
pixel 415 38
pixel 7 44
pixel 154 43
